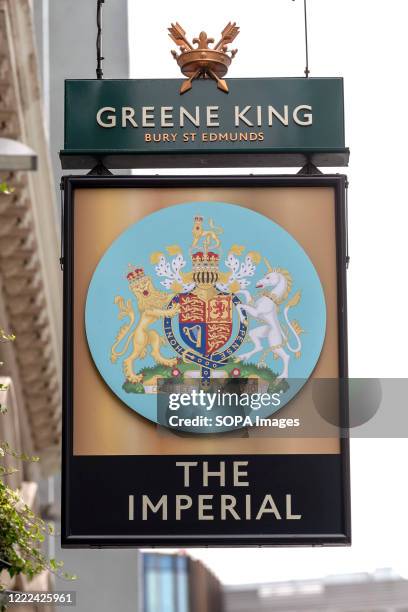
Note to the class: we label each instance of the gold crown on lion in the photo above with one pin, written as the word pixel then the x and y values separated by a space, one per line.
pixel 135 274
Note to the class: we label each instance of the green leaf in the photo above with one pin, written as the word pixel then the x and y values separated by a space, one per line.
pixel 4 337
pixel 5 188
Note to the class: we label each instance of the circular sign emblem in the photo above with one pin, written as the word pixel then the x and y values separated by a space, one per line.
pixel 204 291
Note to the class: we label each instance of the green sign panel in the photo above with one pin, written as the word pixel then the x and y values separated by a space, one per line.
pixel 146 122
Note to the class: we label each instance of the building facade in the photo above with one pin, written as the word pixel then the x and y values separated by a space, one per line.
pixel 42 42
pixel 30 276
pixel 178 583
pixel 382 591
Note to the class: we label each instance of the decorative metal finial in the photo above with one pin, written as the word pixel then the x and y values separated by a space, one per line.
pixel 203 61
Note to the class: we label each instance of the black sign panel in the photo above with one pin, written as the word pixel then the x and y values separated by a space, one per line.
pixel 205 339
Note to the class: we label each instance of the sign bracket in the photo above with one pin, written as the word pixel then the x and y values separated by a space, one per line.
pixel 100 170
pixel 309 169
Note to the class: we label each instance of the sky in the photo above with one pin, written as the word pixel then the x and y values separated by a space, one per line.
pixel 365 42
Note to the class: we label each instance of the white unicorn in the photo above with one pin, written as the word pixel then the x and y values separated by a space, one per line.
pixel 278 283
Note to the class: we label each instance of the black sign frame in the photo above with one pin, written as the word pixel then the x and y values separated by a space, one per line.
pixel 76 495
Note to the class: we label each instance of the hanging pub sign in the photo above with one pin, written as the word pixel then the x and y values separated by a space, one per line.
pixel 204 319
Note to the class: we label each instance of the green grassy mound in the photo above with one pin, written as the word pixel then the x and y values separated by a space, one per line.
pixel 234 370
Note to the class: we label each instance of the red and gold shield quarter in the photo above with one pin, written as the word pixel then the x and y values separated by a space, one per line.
pixel 205 325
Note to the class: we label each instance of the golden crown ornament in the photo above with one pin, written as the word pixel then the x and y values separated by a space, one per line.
pixel 202 61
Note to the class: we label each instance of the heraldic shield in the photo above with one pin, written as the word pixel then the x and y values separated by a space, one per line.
pixel 205 325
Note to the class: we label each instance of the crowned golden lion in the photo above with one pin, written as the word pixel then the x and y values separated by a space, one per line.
pixel 208 237
pixel 152 306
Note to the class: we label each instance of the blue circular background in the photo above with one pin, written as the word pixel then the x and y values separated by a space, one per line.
pixel 171 226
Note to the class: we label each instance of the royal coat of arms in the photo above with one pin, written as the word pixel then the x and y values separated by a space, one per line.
pixel 221 313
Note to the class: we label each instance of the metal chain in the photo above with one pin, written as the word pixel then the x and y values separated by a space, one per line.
pixel 99 58
pixel 307 71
